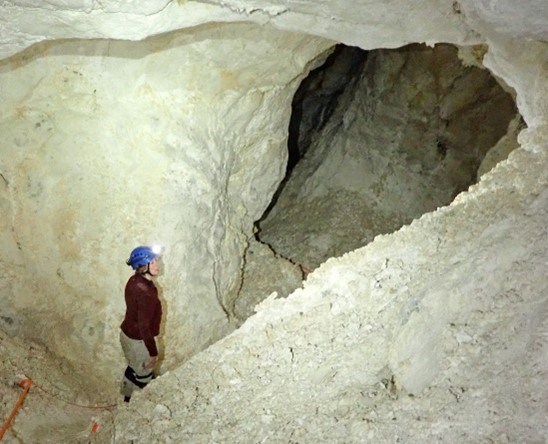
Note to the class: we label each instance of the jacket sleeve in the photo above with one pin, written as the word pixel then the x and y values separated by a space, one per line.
pixel 145 311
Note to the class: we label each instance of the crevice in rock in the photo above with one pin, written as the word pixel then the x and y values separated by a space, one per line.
pixel 264 272
pixel 379 138
pixel 315 102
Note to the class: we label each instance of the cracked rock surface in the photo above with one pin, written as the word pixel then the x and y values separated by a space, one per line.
pixel 424 339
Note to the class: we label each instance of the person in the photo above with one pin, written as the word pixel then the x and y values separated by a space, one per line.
pixel 141 323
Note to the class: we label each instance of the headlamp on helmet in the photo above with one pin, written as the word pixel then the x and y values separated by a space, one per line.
pixel 141 256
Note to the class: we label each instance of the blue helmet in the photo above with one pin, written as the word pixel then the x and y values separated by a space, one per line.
pixel 140 256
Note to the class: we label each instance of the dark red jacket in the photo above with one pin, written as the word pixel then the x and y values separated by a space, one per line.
pixel 143 312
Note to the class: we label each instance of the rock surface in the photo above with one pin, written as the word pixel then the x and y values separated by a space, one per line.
pixel 434 333
pixel 265 272
pixel 177 140
pixel 437 331
pixel 62 405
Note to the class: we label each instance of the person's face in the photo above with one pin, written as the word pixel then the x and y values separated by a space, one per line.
pixel 154 267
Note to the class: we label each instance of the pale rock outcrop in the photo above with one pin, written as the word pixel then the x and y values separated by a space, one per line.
pixel 388 25
pixel 507 144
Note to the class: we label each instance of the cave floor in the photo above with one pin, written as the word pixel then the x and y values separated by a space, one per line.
pixel 59 406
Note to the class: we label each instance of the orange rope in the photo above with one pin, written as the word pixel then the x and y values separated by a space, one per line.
pixel 92 407
pixel 25 384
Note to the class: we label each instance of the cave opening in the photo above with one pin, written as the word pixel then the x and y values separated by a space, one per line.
pixel 379 138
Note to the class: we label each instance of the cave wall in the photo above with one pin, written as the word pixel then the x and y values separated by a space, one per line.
pixel 434 333
pixel 177 140
pixel 388 25
pixel 70 214
pixel 227 391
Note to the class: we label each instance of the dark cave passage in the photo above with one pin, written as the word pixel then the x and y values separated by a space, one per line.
pixel 378 138
pixel 316 99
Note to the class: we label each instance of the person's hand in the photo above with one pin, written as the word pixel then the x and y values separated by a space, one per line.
pixel 152 362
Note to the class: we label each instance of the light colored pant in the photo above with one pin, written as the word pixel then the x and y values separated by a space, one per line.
pixel 137 374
